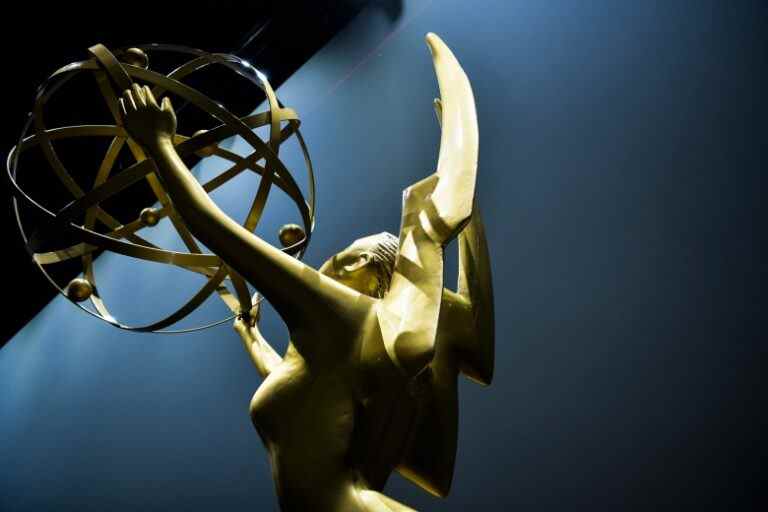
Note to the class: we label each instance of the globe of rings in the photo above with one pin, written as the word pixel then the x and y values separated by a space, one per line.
pixel 115 72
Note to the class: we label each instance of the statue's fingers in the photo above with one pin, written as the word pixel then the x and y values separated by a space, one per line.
pixel 138 94
pixel 167 105
pixel 150 97
pixel 123 112
pixel 128 98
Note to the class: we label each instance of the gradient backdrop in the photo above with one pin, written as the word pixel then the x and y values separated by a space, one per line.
pixel 622 151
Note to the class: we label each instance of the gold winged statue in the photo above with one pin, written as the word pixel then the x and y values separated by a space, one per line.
pixel 368 383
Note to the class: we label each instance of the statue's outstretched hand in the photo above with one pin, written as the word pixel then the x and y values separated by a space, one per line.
pixel 146 122
pixel 244 322
pixel 262 354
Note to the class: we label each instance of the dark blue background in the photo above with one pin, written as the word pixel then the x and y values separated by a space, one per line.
pixel 622 152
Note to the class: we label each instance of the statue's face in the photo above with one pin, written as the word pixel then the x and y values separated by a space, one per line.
pixel 355 267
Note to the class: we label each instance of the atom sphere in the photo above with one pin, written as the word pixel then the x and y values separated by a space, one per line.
pixel 85 224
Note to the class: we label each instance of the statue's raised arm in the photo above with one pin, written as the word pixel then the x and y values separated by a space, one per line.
pixel 434 211
pixel 302 296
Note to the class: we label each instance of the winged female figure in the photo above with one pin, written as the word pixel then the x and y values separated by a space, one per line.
pixel 367 384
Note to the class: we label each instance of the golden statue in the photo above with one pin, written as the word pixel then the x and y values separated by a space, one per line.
pixel 368 383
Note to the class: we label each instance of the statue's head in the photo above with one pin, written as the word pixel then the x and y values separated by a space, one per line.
pixel 366 265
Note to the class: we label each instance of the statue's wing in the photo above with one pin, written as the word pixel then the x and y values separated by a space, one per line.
pixel 434 211
pixel 465 343
pixel 454 194
pixel 408 314
pixel 476 359
pixel 467 316
pixel 422 420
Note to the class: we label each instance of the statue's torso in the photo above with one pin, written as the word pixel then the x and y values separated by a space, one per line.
pixel 305 418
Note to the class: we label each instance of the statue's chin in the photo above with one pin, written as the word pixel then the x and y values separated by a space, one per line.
pixel 354 284
pixel 350 284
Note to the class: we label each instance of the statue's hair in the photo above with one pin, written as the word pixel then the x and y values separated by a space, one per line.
pixel 384 248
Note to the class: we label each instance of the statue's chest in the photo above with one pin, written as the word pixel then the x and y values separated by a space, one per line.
pixel 293 398
pixel 278 395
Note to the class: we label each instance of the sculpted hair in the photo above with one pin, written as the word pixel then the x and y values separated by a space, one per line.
pixel 384 250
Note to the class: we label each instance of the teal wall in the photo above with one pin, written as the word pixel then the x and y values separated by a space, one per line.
pixel 619 167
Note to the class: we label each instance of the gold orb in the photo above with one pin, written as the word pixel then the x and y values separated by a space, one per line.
pixel 207 150
pixel 149 217
pixel 79 289
pixel 290 234
pixel 136 57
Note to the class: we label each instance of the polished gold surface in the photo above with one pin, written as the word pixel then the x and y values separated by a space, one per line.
pixel 368 384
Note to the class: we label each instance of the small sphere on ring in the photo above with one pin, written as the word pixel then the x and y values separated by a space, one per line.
pixel 149 217
pixel 136 57
pixel 207 150
pixel 291 234
pixel 79 289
